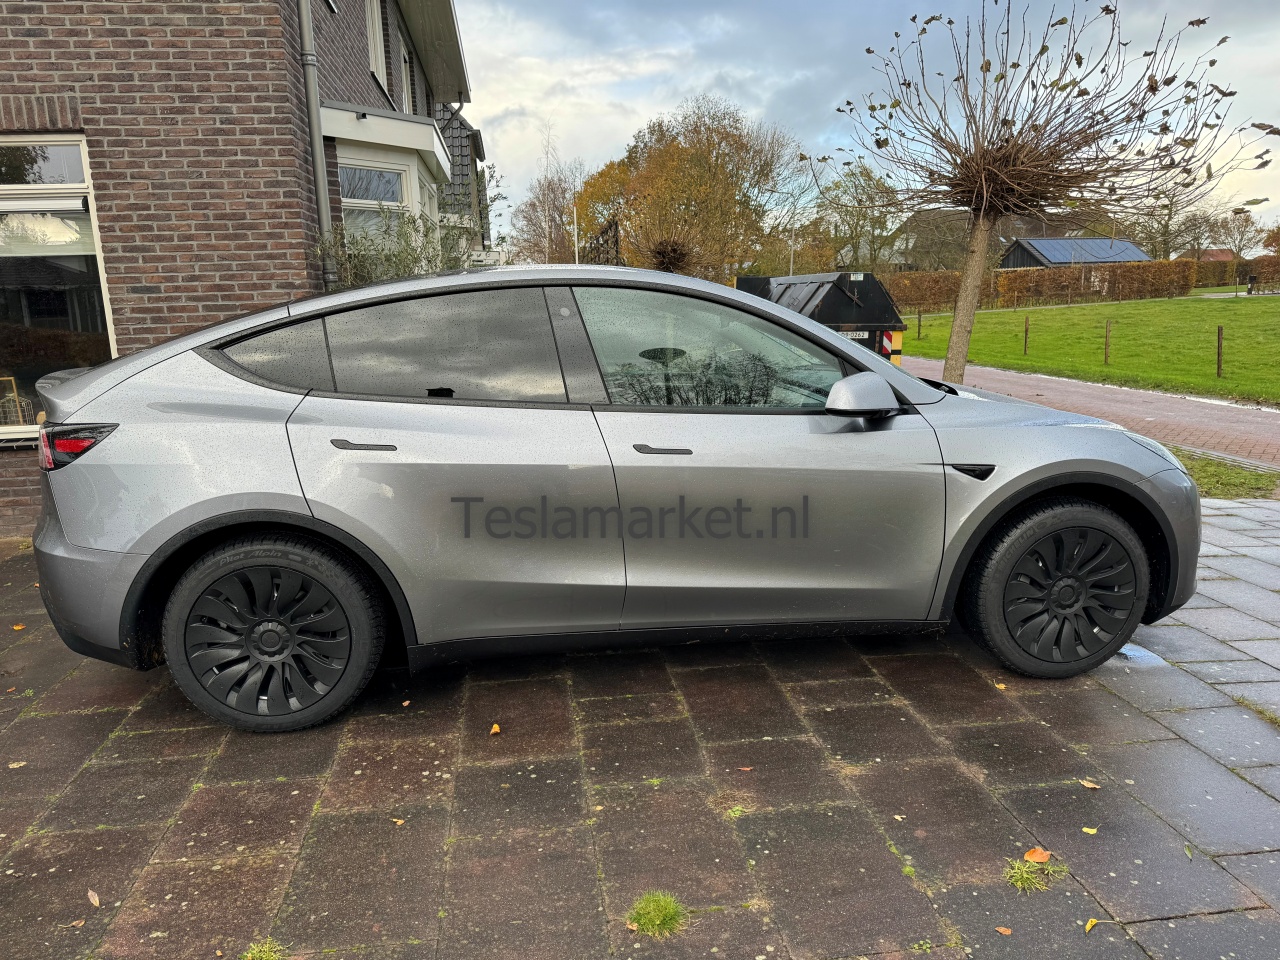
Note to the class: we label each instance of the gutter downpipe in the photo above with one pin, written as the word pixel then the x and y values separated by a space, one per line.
pixel 319 170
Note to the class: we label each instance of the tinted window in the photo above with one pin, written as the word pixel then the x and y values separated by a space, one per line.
pixel 660 349
pixel 294 356
pixel 484 345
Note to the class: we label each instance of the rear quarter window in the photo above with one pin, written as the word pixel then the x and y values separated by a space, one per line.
pixel 293 356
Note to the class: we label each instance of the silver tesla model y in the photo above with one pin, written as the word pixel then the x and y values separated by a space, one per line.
pixel 518 458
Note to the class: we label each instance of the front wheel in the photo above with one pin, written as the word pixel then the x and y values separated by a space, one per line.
pixel 273 633
pixel 1059 590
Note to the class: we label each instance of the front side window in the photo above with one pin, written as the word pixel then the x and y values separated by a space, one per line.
pixel 663 350
pixel 492 345
pixel 53 311
pixel 367 193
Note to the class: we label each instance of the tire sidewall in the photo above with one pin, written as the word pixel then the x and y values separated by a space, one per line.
pixel 1014 545
pixel 338 578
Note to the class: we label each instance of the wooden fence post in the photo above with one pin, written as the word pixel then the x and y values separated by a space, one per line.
pixel 919 314
pixel 1106 353
pixel 1026 332
pixel 1219 350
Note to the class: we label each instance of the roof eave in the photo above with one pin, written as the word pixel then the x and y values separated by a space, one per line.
pixel 433 28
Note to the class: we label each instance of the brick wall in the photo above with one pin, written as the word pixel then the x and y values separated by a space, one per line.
pixel 192 116
pixel 19 492
pixel 342 47
pixel 196 128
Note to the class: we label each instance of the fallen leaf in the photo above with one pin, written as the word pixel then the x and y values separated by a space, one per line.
pixel 93 898
pixel 632 926
pixel 16 764
pixel 398 823
pixel 11 689
pixel 1186 848
pixel 746 769
pixel 217 953
pixel 495 730
pixel 1036 855
pixel 405 704
pixel 1090 830
pixel 597 808
pixel 1090 925
pixel 1090 784
pixel 1000 686
pixel 19 626
pixel 1004 930
pixel 899 817
pixel 73 923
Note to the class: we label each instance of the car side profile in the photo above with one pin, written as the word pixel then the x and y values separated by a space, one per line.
pixel 516 459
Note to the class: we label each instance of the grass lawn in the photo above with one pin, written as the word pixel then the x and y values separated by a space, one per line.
pixel 1201 291
pixel 1226 481
pixel 1161 344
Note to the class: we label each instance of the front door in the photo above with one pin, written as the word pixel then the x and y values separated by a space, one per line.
pixel 741 499
pixel 449 448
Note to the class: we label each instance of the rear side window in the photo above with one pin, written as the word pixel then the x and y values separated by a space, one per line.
pixel 480 345
pixel 292 356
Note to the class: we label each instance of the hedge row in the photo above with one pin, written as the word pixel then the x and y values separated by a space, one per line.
pixel 1036 286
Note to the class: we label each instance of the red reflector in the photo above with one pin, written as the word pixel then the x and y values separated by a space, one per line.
pixel 46 455
pixel 73 444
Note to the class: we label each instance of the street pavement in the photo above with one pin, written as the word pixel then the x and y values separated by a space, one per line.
pixel 1239 430
pixel 831 799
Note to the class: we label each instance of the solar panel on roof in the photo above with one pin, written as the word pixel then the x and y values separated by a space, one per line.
pixel 1068 250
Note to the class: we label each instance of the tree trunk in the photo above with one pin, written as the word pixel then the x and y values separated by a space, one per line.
pixel 975 265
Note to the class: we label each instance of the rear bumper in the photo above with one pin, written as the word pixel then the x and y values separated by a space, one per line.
pixel 83 589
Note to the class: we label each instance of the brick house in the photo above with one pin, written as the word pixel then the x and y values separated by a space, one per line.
pixel 157 171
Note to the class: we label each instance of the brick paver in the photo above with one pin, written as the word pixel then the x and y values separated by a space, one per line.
pixel 1251 432
pixel 826 800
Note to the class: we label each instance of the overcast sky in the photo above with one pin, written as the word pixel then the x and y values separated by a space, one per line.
pixel 598 69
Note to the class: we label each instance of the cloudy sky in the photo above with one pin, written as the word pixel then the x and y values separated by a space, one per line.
pixel 598 69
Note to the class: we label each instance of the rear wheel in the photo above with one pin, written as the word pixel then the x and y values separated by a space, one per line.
pixel 1059 590
pixel 273 633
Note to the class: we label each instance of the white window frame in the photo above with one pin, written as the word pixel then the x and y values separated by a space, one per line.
pixel 413 172
pixel 62 191
pixel 406 74
pixel 377 43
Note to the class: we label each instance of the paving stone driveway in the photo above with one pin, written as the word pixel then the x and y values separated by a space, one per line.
pixel 819 800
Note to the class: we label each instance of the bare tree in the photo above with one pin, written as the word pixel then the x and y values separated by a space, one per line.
pixel 864 213
pixel 1166 227
pixel 1010 118
pixel 1239 233
pixel 542 224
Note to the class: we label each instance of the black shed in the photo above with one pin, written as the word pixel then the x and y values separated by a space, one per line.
pixel 854 305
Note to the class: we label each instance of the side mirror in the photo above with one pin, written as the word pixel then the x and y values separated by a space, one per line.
pixel 862 395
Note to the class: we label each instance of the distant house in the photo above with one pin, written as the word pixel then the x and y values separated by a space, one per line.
pixel 1212 255
pixel 465 196
pixel 1069 252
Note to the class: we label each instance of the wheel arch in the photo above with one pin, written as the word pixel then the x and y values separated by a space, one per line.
pixel 1135 507
pixel 144 603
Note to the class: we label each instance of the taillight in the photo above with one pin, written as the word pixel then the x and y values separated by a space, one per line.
pixel 60 444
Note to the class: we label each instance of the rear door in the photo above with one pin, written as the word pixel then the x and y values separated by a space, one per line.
pixel 448 446
pixel 742 499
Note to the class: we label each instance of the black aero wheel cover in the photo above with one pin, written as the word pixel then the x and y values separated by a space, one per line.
pixel 267 640
pixel 1070 594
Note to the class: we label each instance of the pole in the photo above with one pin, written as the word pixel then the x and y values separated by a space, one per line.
pixel 319 170
pixel 1026 332
pixel 1106 353
pixel 575 228
pixel 919 314
pixel 1219 350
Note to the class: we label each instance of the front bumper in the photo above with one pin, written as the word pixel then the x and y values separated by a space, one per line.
pixel 1176 496
pixel 84 590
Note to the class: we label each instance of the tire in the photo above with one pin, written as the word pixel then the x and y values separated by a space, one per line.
pixel 1058 589
pixel 273 633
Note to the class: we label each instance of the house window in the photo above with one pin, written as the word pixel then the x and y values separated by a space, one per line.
pixel 54 312
pixel 367 191
pixel 406 75
pixel 377 41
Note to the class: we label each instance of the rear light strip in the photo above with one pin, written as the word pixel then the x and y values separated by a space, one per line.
pixel 63 443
